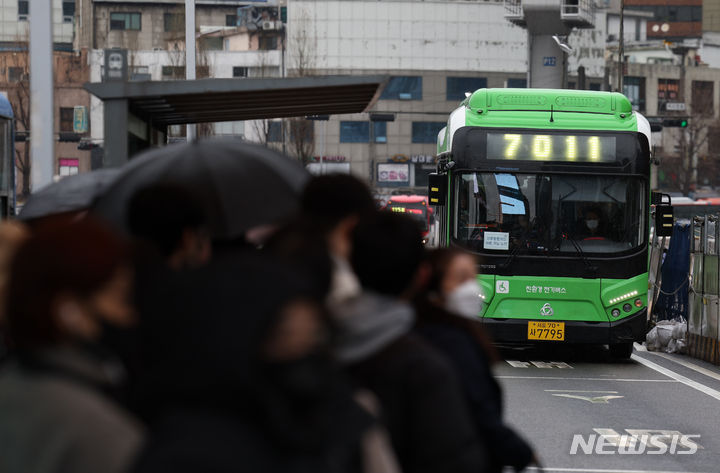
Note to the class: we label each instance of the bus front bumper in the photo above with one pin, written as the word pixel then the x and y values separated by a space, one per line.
pixel 626 330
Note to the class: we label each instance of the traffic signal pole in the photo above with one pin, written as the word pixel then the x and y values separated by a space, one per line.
pixel 42 118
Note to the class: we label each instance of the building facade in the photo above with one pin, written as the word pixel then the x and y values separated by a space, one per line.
pixel 71 101
pixel 434 52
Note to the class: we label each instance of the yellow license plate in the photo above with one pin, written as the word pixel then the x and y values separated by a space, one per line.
pixel 546 330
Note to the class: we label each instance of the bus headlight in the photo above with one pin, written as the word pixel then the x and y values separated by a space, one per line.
pixel 615 312
pixel 627 307
pixel 638 303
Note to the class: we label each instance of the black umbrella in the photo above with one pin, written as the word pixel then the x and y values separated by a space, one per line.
pixel 70 194
pixel 241 185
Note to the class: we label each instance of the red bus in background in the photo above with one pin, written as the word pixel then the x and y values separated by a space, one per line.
pixel 414 205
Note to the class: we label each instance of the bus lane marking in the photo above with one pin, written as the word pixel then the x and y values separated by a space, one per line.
pixel 570 394
pixel 555 378
pixel 598 470
pixel 678 377
pixel 539 364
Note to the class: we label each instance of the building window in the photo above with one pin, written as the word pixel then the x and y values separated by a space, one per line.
pixel 634 89
pixel 702 98
pixel 23 10
pixel 274 132
pixel 426 132
pixel 517 83
pixel 230 20
pixel 240 71
pixel 68 166
pixel 174 22
pixel 403 88
pixel 125 21
pixel 173 72
pixel 211 43
pixel 595 86
pixel 15 74
pixel 140 73
pixel 359 132
pixel 668 91
pixel 66 119
pixel 229 128
pixel 457 86
pixel 68 11
pixel 268 43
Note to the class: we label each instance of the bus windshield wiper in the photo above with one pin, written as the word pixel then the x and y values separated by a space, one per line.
pixel 590 269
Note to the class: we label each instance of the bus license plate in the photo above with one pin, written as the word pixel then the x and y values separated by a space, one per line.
pixel 546 331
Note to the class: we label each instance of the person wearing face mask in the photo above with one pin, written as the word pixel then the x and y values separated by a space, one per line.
pixel 448 311
pixel 246 382
pixel 592 227
pixel 69 287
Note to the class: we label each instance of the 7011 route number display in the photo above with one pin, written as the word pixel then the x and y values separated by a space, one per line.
pixel 551 147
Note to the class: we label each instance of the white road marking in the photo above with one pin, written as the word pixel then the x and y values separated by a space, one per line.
pixel 688 364
pixel 548 469
pixel 590 379
pixel 577 391
pixel 593 400
pixel 678 377
pixel 539 364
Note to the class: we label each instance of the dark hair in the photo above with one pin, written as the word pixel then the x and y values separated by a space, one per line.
pixel 439 261
pixel 387 250
pixel 72 257
pixel 301 246
pixel 428 311
pixel 327 200
pixel 161 212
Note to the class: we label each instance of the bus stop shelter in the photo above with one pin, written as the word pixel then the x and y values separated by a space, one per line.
pixel 137 114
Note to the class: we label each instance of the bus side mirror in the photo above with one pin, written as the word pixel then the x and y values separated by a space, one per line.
pixel 663 220
pixel 437 189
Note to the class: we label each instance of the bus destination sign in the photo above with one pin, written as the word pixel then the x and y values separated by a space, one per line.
pixel 551 147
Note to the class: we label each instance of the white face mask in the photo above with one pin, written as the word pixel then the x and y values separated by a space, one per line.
pixel 591 224
pixel 466 299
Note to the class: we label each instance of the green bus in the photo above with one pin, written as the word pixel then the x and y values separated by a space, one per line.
pixel 550 188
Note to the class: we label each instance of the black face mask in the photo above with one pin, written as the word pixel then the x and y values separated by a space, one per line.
pixel 304 379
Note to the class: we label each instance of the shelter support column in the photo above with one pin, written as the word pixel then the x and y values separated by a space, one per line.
pixel 116 133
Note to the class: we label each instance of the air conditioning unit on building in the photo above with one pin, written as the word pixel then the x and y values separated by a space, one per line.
pixel 22 18
pixel 269 25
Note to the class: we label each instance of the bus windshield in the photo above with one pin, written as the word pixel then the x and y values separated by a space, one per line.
pixel 415 210
pixel 546 213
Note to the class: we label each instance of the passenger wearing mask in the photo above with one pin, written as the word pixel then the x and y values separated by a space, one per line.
pixel 420 396
pixel 593 225
pixel 244 381
pixel 333 204
pixel 171 220
pixel 68 301
pixel 447 317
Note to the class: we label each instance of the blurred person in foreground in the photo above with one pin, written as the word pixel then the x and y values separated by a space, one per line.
pixel 68 296
pixel 421 398
pixel 244 380
pixel 447 316
pixel 12 234
pixel 333 205
pixel 171 220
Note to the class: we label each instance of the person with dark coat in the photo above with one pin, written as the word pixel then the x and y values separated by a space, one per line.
pixel 420 396
pixel 68 303
pixel 239 380
pixel 447 317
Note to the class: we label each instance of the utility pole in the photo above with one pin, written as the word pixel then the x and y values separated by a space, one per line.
pixel 42 118
pixel 191 131
pixel 621 47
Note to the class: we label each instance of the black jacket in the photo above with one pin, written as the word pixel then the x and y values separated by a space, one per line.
pixel 451 334
pixel 422 407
